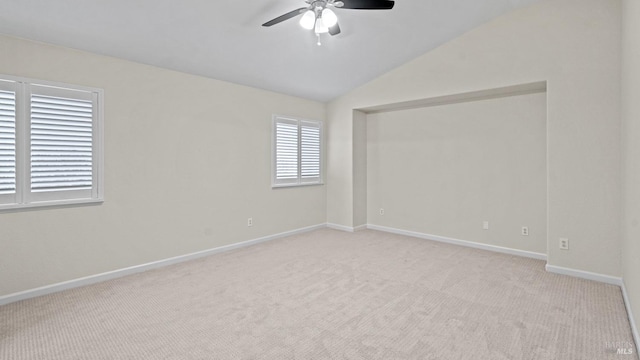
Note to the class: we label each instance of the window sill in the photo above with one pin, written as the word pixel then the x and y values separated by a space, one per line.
pixel 282 186
pixel 4 208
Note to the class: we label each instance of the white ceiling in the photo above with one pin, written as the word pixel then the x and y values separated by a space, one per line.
pixel 224 39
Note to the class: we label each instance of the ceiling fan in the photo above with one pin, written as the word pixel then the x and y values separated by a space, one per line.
pixel 319 16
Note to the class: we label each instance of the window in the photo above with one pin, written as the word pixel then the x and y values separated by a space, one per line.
pixel 297 152
pixel 50 143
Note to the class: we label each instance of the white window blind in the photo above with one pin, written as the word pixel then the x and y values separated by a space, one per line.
pixel 61 143
pixel 286 151
pixel 297 155
pixel 309 151
pixel 50 144
pixel 7 140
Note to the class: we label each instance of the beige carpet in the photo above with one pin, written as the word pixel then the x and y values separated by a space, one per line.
pixel 328 295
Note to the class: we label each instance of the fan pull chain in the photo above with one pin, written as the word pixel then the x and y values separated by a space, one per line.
pixel 319 43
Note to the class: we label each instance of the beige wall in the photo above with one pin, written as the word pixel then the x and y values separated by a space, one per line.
pixel 443 170
pixel 359 168
pixel 574 45
pixel 631 139
pixel 187 162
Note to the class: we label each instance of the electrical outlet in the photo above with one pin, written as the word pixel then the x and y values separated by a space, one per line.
pixel 381 211
pixel 485 225
pixel 250 222
pixel 525 231
pixel 564 244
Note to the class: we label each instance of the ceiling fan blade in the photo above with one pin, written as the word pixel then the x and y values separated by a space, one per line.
pixel 334 30
pixel 284 17
pixel 367 4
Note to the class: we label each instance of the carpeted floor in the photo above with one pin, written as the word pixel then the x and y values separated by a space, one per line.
pixel 328 295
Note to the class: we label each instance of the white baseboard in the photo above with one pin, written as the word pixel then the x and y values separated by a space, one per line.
pixel 361 227
pixel 340 227
pixel 607 279
pixel 346 228
pixel 632 320
pixel 494 248
pixel 93 279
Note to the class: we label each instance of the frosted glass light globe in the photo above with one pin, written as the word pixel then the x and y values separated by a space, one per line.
pixel 308 20
pixel 329 17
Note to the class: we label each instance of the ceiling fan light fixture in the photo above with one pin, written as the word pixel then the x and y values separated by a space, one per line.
pixel 308 19
pixel 321 28
pixel 319 16
pixel 329 17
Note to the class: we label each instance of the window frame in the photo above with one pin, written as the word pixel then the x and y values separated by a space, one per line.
pixel 24 197
pixel 298 181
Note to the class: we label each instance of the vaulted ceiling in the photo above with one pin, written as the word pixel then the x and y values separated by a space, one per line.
pixel 224 39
